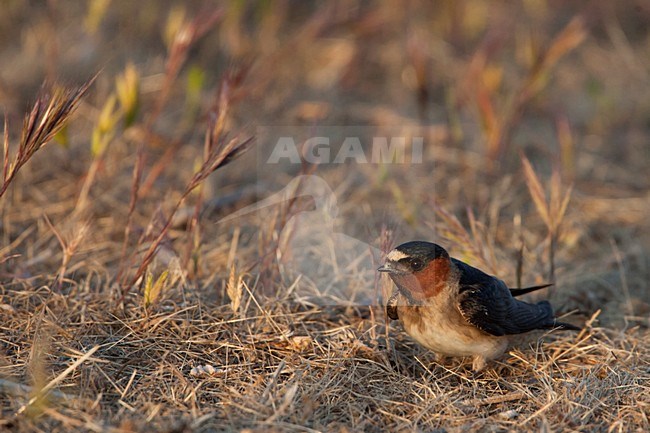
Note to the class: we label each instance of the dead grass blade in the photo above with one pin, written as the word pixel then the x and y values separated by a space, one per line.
pixel 48 115
pixel 552 211
pixel 567 40
pixel 186 35
pixel 51 384
pixel 536 191
pixel 534 82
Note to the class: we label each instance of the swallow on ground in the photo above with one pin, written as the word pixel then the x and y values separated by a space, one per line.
pixel 455 309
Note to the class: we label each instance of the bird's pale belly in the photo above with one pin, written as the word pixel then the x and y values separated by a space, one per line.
pixel 447 336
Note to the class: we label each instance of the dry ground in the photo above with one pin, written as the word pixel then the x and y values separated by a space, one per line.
pixel 125 307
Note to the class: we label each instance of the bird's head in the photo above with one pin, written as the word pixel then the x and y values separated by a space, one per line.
pixel 420 270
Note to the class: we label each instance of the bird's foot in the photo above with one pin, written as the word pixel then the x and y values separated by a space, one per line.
pixel 478 363
pixel 439 359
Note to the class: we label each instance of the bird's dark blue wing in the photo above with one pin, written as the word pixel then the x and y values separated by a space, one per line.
pixel 486 302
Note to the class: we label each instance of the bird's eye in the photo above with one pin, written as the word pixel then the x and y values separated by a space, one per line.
pixel 417 264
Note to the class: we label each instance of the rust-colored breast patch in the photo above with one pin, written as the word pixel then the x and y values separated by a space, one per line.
pixel 409 283
pixel 433 278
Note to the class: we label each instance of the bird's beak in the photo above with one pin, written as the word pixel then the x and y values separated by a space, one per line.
pixel 391 268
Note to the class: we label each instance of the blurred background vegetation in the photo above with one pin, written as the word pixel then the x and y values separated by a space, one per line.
pixel 535 117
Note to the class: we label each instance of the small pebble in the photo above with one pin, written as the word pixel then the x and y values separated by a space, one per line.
pixel 204 370
pixel 509 414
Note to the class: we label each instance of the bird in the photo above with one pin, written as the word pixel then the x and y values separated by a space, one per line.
pixel 455 309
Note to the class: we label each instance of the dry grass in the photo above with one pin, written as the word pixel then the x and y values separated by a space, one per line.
pixel 125 307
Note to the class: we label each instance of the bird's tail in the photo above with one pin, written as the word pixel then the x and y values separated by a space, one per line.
pixel 524 290
pixel 552 322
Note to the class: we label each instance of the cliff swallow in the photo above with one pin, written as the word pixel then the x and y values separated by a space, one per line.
pixel 455 309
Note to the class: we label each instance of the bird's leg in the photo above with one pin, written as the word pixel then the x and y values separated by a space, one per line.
pixel 478 363
pixel 438 358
